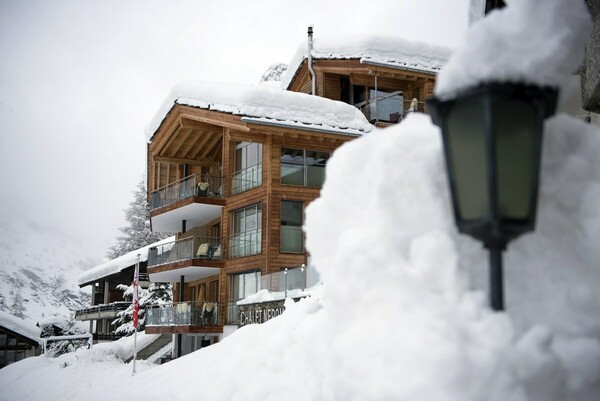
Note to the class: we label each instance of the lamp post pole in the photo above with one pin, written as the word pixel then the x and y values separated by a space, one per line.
pixel 496 278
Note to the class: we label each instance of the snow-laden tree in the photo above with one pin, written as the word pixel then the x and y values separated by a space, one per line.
pixel 156 294
pixel 68 327
pixel 2 303
pixel 137 233
pixel 274 72
pixel 17 308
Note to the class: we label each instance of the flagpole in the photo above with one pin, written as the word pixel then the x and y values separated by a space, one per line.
pixel 136 307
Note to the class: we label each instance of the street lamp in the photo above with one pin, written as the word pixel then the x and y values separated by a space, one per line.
pixel 492 137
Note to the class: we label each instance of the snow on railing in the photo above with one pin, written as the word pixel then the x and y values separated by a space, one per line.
pixel 75 339
pixel 160 353
pixel 113 306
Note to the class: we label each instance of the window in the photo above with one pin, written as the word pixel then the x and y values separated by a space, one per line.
pixel 303 167
pixel 290 235
pixel 382 105
pixel 389 106
pixel 241 286
pixel 248 167
pixel 246 232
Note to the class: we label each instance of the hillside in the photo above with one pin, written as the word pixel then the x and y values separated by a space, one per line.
pixel 42 267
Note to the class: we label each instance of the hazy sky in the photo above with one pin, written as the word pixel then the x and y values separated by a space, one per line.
pixel 80 80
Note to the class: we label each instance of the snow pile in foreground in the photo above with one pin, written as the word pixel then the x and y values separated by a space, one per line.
pixel 73 376
pixel 399 315
pixel 522 43
pixel 264 102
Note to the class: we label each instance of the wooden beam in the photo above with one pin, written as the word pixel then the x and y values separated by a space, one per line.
pixel 209 147
pixel 186 122
pixel 164 133
pixel 196 137
pixel 204 138
pixel 182 136
pixel 211 117
pixel 254 136
pixel 176 160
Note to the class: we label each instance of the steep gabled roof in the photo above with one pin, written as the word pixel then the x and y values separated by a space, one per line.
pixel 260 103
pixel 385 51
pixel 21 327
pixel 118 264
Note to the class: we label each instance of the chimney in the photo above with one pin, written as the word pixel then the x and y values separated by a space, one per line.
pixel 310 67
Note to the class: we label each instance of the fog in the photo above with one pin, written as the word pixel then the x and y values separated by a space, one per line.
pixel 79 81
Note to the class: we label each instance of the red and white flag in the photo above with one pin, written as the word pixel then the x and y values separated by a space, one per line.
pixel 136 302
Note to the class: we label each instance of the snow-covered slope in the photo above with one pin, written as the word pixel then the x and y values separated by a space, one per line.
pixel 42 268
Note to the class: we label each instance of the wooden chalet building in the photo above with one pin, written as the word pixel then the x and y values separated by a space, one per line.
pixel 232 168
pixel 106 299
pixel 18 339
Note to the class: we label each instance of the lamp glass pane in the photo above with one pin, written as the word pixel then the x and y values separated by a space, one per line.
pixel 515 126
pixel 465 134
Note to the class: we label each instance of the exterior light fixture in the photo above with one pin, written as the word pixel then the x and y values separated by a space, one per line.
pixel 492 137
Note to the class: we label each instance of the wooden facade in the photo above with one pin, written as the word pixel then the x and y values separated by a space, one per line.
pixel 203 142
pixel 330 74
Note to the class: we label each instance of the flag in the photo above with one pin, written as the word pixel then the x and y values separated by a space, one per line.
pixel 136 302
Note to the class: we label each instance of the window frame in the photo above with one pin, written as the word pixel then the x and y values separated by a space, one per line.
pixel 304 165
pixel 282 225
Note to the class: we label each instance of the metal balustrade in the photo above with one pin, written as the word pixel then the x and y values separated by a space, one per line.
pixel 192 185
pixel 386 108
pixel 207 248
pixel 183 314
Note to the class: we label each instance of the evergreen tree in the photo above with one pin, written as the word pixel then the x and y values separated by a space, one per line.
pixel 17 308
pixel 2 304
pixel 274 72
pixel 137 233
pixel 156 294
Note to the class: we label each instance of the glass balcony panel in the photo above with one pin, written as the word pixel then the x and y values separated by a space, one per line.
pixel 193 185
pixel 183 314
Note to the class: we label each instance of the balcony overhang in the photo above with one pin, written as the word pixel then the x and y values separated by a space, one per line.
pixel 191 270
pixel 196 211
pixel 183 329
pixel 97 315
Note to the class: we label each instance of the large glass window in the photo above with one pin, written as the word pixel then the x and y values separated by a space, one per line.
pixel 303 167
pixel 248 167
pixel 246 232
pixel 290 235
pixel 385 106
pixel 241 286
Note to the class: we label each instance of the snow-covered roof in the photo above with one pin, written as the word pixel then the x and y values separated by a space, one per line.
pixel 391 52
pixel 118 264
pixel 286 108
pixel 20 326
